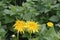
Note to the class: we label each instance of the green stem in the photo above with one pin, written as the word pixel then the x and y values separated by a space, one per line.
pixel 17 35
pixel 30 37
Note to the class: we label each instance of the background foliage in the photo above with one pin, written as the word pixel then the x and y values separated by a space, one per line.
pixel 41 11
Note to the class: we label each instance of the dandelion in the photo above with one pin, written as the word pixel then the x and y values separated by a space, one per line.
pixel 32 26
pixel 19 26
pixel 50 24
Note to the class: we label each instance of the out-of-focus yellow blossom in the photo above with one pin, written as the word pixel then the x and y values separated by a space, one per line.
pixel 32 26
pixel 50 24
pixel 19 26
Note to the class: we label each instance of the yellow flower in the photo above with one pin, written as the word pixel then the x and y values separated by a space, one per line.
pixel 19 26
pixel 32 26
pixel 50 24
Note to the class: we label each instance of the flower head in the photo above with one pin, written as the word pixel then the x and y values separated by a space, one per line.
pixel 50 24
pixel 19 26
pixel 32 26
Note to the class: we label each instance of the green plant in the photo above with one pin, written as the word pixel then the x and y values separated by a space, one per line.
pixel 41 11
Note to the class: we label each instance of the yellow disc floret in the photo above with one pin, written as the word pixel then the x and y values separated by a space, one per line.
pixel 50 24
pixel 19 26
pixel 32 26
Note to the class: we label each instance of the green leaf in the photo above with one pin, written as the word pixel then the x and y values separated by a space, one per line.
pixel 8 19
pixel 6 1
pixel 2 32
pixel 58 14
pixel 51 34
pixel 54 18
pixel 49 1
pixel 43 28
pixel 27 16
pixel 59 0
pixel 10 12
